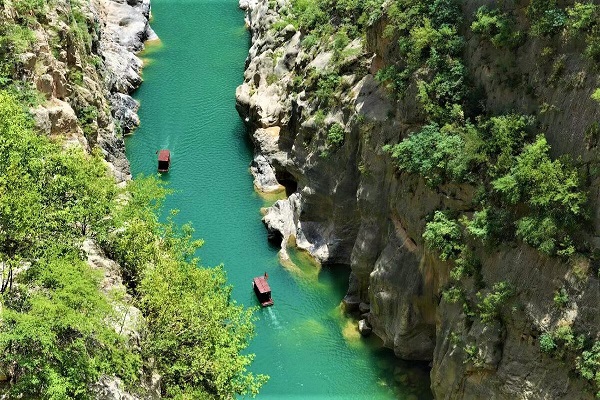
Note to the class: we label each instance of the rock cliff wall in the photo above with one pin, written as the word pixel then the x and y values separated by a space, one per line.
pixel 348 203
pixel 86 78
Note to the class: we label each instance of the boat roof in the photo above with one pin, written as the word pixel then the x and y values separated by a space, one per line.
pixel 164 155
pixel 262 285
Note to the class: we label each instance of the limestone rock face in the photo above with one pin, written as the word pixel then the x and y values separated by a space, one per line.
pixel 111 388
pixel 87 88
pixel 364 328
pixel 352 206
pixel 129 321
pixel 125 110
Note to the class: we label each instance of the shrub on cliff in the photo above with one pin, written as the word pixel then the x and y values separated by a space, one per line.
pixel 546 17
pixel 489 305
pixel 588 365
pixel 551 190
pixel 437 154
pixel 497 27
pixel 443 234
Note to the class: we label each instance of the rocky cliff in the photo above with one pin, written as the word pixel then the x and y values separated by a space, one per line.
pixel 86 70
pixel 348 202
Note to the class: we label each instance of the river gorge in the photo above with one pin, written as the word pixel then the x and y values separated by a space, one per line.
pixel 304 342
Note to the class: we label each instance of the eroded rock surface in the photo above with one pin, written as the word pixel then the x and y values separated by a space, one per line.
pixel 351 206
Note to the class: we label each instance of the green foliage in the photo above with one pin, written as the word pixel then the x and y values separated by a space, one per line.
pixel 87 118
pixel 479 226
pixel 467 264
pixel 197 332
pixel 588 365
pixel 47 193
pixel 497 27
pixel 57 329
pixel 561 298
pixel 443 235
pixel 319 117
pixel 560 340
pixel 584 20
pixel 546 18
pixel 547 343
pixel 327 89
pixel 14 40
pixel 582 17
pixel 430 52
pixel 565 337
pixel 473 356
pixel 336 135
pixel 438 155
pixel 539 232
pixel 551 190
pixel 392 78
pixel 309 14
pixel 133 245
pixel 503 137
pixel 490 304
pixel 57 338
pixel 31 10
pixel 321 16
pixel 596 95
pixel 453 295
pixel 310 41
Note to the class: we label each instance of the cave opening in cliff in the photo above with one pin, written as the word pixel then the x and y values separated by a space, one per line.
pixel 288 181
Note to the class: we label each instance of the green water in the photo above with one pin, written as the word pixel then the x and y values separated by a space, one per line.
pixel 187 105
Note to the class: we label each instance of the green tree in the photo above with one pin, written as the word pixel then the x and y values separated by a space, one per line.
pixel 496 26
pixel 438 155
pixel 58 338
pixel 444 235
pixel 588 365
pixel 491 303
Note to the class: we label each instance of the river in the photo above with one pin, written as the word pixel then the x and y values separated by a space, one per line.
pixel 304 343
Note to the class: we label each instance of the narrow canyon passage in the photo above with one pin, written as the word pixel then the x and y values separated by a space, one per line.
pixel 309 349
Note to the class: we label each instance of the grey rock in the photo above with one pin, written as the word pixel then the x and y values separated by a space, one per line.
pixel 124 109
pixel 364 327
pixel 364 308
pixel 265 179
pixel 354 207
pixel 41 119
pixel 351 303
pixel 45 84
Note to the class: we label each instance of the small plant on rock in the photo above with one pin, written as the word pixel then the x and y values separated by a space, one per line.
pixel 490 304
pixel 444 235
pixel 561 298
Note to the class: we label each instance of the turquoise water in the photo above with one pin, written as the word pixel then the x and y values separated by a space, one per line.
pixel 187 101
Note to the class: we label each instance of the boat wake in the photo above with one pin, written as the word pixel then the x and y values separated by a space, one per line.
pixel 272 318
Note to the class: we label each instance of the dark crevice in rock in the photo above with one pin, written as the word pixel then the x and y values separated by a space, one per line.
pixel 286 180
pixel 274 236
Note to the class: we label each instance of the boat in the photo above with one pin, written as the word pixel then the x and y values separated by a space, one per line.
pixel 164 160
pixel 262 290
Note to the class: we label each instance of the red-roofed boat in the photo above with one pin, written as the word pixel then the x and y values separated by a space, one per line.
pixel 262 290
pixel 164 160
